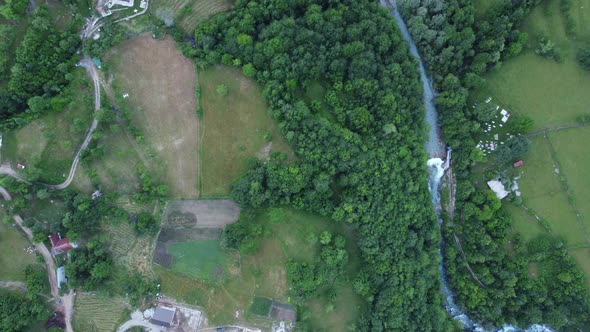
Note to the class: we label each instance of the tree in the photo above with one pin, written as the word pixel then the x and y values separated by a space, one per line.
pixel 36 279
pixel 249 70
pixel 17 312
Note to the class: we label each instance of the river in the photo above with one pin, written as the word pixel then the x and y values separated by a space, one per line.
pixel 436 169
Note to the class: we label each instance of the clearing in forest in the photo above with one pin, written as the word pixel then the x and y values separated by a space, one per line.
pixel 233 128
pixel 160 82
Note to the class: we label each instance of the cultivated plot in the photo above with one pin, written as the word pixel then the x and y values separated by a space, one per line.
pixel 189 241
pixel 98 313
pixel 160 82
pixel 187 14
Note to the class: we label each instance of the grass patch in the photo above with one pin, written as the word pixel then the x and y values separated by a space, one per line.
pixel 261 306
pixel 263 275
pixel 523 223
pixel 14 257
pixel 98 313
pixel 542 192
pixel 233 128
pixel 203 260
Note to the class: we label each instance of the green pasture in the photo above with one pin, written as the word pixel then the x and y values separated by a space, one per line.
pixel 573 151
pixel 263 275
pixel 523 223
pixel 232 128
pixel 551 93
pixel 204 260
pixel 14 258
pixel 542 192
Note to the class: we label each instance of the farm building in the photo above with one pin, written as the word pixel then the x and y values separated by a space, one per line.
pixel 498 188
pixel 61 276
pixel 163 316
pixel 59 245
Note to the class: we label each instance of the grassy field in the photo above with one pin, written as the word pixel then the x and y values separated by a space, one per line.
pixel 549 92
pixel 50 142
pixel 161 87
pixel 523 223
pixel 233 128
pixel 187 14
pixel 203 260
pixel 264 275
pixel 98 313
pixel 582 256
pixel 14 258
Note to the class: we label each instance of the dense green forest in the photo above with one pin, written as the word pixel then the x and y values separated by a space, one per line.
pixel 36 62
pixel 360 148
pixel 457 49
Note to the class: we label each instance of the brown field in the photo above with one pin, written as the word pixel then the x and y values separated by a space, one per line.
pixel 200 214
pixel 161 85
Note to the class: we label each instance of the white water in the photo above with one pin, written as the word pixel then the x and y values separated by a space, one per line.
pixel 436 169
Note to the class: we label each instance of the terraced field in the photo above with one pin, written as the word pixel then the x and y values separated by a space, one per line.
pixel 98 313
pixel 178 12
pixel 130 250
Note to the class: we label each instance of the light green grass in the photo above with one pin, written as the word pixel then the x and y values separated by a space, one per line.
pixel 523 223
pixel 549 92
pixel 98 313
pixel 573 153
pixel 264 275
pixel 542 192
pixel 13 257
pixel 50 142
pixel 582 256
pixel 232 129
pixel 199 259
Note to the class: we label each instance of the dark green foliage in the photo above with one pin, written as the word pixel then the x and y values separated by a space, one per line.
pixel 348 166
pixel 36 279
pixel 18 312
pixel 583 57
pixel 144 223
pixel 150 189
pixel 546 48
pixel 89 266
pixel 513 149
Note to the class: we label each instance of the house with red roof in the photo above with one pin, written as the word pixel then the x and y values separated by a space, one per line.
pixel 59 245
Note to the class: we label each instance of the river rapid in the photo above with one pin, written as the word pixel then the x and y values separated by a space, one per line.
pixel 436 169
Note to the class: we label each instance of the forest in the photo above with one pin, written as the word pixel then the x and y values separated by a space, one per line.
pixel 360 148
pixel 457 49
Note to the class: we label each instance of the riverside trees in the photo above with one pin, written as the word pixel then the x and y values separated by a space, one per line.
pixel 360 150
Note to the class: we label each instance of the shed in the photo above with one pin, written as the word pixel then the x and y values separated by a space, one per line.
pixel 518 163
pixel 97 62
pixel 61 276
pixel 163 316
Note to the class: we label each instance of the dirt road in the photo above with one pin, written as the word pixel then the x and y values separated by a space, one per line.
pixel 17 285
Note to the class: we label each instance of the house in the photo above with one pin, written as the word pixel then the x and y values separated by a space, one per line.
pixel 61 276
pixel 498 188
pixel 518 163
pixel 59 245
pixel 163 316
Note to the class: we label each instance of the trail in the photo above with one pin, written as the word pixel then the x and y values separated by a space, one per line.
pixel 544 131
pixel 15 285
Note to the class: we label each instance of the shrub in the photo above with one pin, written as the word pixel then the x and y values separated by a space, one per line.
pixel 584 57
pixel 222 90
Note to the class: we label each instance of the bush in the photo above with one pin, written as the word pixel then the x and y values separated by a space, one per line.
pixel 222 90
pixel 584 57
pixel 144 223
